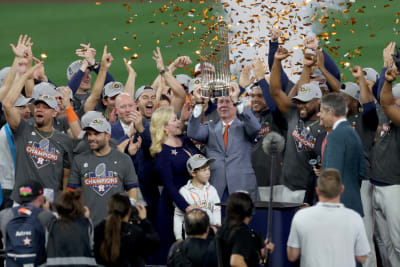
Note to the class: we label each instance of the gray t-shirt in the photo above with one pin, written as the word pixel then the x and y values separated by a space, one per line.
pixel 303 142
pixel 100 177
pixel 40 159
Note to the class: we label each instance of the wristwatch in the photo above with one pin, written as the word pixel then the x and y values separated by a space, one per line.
pixel 164 70
pixel 94 66
pixel 237 103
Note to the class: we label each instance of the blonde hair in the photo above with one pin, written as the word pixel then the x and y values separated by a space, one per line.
pixel 159 119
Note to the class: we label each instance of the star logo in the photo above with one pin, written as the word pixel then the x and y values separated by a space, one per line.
pixel 40 160
pixel 174 152
pixel 101 188
pixel 27 241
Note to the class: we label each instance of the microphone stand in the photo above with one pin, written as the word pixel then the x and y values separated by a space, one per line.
pixel 269 226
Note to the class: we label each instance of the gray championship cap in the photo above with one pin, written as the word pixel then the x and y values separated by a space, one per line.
pixel 183 79
pixel 396 90
pixel 142 89
pixel 197 161
pixel 22 101
pixel 351 89
pixel 44 88
pixel 73 68
pixel 371 74
pixel 308 92
pixel 112 89
pixel 86 119
pixel 3 74
pixel 59 92
pixel 193 83
pixel 100 125
pixel 48 100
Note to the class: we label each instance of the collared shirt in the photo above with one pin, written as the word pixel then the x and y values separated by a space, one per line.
pixel 338 122
pixel 224 125
pixel 125 127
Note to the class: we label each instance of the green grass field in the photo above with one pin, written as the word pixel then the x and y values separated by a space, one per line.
pixel 57 29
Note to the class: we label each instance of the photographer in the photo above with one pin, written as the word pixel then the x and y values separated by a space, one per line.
pixel 121 242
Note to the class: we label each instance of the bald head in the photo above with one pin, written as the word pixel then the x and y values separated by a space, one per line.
pixel 125 105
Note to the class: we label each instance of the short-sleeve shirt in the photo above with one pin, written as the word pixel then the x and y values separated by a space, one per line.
pixel 100 177
pixel 328 234
pixel 303 142
pixel 41 157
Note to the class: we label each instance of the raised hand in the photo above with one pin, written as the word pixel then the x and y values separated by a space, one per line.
pixel 281 53
pixel 244 79
pixel 186 111
pixel 391 75
pixel 275 33
pixel 234 91
pixel 158 59
pixel 309 60
pixel 259 68
pixel 23 48
pixel 357 72
pixel 311 42
pixel 320 59
pixel 182 62
pixel 106 59
pixel 387 55
pixel 129 68
pixel 87 53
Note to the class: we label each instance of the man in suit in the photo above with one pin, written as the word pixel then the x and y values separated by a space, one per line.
pixel 343 150
pixel 133 133
pixel 229 140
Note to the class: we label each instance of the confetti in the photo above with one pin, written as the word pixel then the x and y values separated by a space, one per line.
pixel 126 48
pixel 43 55
pixel 135 56
pixel 98 3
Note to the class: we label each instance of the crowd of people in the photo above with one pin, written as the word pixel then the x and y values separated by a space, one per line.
pixel 118 174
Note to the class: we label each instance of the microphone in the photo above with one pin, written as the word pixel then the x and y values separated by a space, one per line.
pixel 273 144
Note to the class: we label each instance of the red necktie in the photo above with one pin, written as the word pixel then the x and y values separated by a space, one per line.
pixel 323 146
pixel 226 136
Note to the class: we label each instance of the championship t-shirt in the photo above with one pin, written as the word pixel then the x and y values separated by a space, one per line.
pixel 100 177
pixel 40 156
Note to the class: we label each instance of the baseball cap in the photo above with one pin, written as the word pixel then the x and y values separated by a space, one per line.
pixel 142 89
pixel 22 101
pixel 48 100
pixel 351 89
pixel 193 83
pixel 3 74
pixel 197 161
pixel 112 89
pixel 86 119
pixel 73 68
pixel 309 91
pixel 184 79
pixel 207 66
pixel 44 88
pixel 396 90
pixel 30 191
pixel 100 125
pixel 371 74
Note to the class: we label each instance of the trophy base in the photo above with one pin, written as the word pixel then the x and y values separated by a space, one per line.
pixel 215 89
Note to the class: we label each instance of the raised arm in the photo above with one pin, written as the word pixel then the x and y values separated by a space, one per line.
pixel 281 100
pixel 366 95
pixel 331 80
pixel 309 61
pixel 179 93
pixel 12 115
pixel 387 100
pixel 129 87
pixel 97 89
pixel 259 69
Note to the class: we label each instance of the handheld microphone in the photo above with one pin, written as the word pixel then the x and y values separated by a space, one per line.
pixel 273 144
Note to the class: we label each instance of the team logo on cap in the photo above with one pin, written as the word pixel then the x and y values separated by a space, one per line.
pixel 101 180
pixel 304 89
pixel 116 86
pixel 42 153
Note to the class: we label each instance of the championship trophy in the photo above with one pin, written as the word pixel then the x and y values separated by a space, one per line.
pixel 214 61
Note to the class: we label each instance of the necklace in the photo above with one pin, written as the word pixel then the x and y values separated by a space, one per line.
pixel 44 137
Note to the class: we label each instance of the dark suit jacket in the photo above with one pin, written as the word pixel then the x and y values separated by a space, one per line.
pixel 344 152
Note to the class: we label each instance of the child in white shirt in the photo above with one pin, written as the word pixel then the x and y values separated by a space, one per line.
pixel 198 193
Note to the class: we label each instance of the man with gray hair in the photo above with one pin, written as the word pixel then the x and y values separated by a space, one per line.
pixel 343 150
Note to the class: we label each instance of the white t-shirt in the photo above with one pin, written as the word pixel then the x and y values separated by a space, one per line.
pixel 329 235
pixel 204 199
